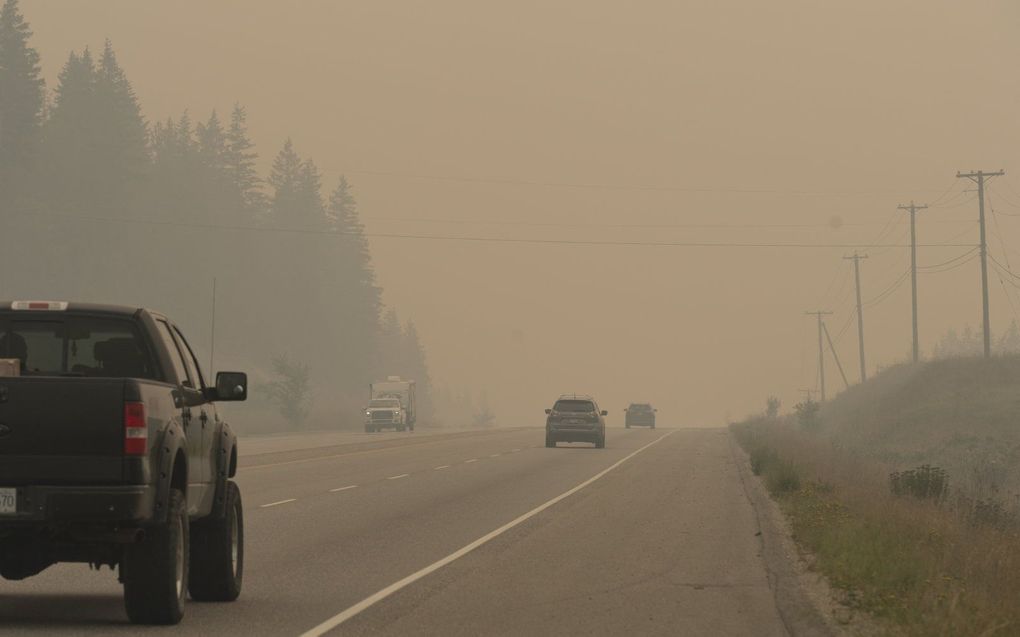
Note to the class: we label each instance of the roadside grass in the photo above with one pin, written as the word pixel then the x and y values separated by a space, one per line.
pixel 920 565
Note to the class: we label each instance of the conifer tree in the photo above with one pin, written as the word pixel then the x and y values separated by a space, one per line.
pixel 21 97
pixel 239 163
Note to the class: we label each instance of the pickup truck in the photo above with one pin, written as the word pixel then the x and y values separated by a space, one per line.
pixel 112 453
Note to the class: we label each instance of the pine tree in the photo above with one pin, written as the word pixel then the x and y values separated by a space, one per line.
pixel 95 139
pixel 21 97
pixel 284 179
pixel 119 122
pixel 68 137
pixel 416 368
pixel 354 299
pixel 239 163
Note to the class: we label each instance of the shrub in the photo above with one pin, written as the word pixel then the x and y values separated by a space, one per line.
pixel 807 414
pixel 924 483
pixel 782 477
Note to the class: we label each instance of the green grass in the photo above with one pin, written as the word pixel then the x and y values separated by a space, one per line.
pixel 917 565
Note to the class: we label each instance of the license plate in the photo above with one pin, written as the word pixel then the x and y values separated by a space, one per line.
pixel 8 501
pixel 575 421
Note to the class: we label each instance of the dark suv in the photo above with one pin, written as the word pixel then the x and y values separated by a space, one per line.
pixel 575 419
pixel 640 415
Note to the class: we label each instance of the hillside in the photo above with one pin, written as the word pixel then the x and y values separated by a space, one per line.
pixel 960 414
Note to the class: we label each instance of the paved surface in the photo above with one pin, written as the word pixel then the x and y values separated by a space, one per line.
pixel 663 543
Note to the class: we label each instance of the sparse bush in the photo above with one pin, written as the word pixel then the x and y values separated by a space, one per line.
pixel 761 458
pixel 924 483
pixel 782 477
pixel 291 391
pixel 807 414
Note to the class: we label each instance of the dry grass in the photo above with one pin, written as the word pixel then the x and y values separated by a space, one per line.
pixel 922 567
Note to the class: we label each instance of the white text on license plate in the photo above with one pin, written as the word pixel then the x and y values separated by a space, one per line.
pixel 8 500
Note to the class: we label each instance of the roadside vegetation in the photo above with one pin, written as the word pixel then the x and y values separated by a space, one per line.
pixel 904 493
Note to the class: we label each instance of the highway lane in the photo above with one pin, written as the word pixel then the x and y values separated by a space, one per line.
pixel 664 541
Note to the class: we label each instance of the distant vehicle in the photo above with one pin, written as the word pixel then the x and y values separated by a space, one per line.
pixel 112 454
pixel 640 415
pixel 575 418
pixel 391 405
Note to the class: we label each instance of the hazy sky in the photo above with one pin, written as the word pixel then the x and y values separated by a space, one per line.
pixel 592 120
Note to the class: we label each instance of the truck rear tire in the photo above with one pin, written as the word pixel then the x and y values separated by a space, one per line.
pixel 217 553
pixel 155 570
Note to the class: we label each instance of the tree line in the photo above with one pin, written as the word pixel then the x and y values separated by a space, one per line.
pixel 97 203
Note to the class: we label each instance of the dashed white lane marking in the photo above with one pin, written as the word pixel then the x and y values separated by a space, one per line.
pixel 371 600
pixel 514 450
pixel 350 486
pixel 273 504
pixel 445 466
pixel 402 475
pixel 495 455
pixel 471 460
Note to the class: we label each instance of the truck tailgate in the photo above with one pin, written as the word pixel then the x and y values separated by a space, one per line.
pixel 61 431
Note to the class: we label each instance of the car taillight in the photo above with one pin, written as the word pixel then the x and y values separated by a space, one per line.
pixel 136 430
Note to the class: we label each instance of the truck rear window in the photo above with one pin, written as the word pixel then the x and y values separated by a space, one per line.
pixel 76 346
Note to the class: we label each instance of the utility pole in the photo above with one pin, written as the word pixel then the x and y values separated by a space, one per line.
pixel 835 356
pixel 860 313
pixel 979 178
pixel 913 269
pixel 821 352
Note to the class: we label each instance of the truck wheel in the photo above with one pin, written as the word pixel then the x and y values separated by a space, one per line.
pixel 601 442
pixel 217 553
pixel 628 425
pixel 368 429
pixel 155 570
pixel 549 442
pixel 400 427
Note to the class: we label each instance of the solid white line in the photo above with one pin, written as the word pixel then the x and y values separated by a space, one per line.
pixel 371 600
pixel 402 475
pixel 272 504
pixel 352 486
pixel 471 460
pixel 445 466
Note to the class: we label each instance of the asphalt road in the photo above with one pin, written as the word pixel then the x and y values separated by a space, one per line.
pixel 652 535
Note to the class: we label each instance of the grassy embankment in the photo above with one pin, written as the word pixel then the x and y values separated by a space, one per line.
pixel 904 490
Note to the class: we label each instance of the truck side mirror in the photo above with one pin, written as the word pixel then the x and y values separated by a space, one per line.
pixel 230 387
pixel 605 413
pixel 548 411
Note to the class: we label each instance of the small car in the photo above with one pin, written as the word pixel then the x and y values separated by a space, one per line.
pixel 575 418
pixel 640 415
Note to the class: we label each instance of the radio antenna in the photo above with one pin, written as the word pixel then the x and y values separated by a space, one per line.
pixel 212 336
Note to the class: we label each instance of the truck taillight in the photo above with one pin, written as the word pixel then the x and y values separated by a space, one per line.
pixel 136 430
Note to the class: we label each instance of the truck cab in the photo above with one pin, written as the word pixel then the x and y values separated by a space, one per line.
pixel 391 405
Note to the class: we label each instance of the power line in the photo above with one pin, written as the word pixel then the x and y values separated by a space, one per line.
pixel 935 270
pixel 547 224
pixel 509 181
pixel 934 266
pixel 889 290
pixel 478 239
